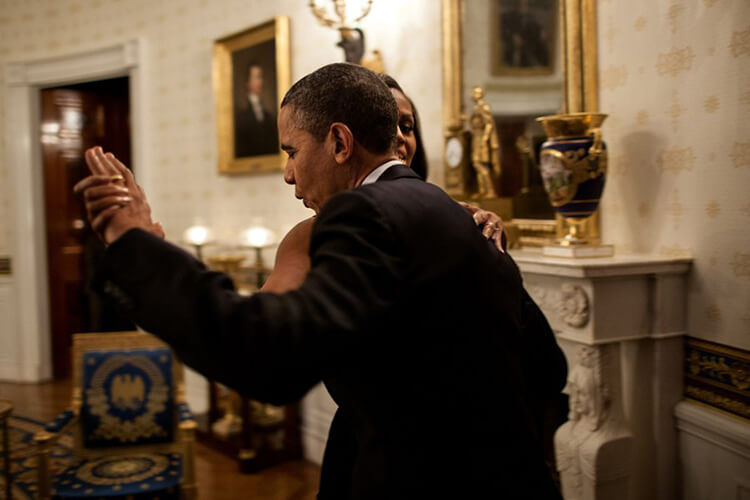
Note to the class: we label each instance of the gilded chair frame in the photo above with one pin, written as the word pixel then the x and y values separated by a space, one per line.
pixel 580 93
pixel 184 437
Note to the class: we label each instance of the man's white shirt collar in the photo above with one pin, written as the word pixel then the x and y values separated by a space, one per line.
pixel 375 174
pixel 254 100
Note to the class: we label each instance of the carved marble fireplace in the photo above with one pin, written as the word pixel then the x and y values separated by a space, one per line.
pixel 620 322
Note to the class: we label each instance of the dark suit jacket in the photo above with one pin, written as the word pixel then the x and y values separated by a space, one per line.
pixel 252 137
pixel 409 315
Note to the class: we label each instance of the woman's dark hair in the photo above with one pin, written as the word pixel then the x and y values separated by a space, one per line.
pixel 419 162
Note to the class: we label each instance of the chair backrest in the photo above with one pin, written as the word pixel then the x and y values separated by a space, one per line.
pixel 125 389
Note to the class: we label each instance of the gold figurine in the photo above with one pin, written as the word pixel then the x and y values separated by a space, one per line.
pixel 485 147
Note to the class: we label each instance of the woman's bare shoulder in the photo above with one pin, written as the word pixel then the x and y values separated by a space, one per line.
pixel 292 260
pixel 297 239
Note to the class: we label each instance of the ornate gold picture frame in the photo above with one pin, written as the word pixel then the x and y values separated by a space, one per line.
pixel 251 73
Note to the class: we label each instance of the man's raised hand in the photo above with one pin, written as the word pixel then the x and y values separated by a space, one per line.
pixel 114 202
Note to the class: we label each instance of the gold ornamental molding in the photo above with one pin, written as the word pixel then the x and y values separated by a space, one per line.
pixel 452 64
pixel 718 375
pixel 580 55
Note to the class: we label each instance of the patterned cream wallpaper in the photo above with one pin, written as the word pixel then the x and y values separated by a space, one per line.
pixel 185 187
pixel 675 79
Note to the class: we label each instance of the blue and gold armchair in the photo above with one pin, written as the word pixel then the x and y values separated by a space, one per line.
pixel 133 433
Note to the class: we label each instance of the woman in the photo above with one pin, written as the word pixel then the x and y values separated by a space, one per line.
pixel 292 260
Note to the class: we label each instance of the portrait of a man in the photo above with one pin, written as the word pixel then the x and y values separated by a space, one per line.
pixel 255 99
pixel 251 71
pixel 525 36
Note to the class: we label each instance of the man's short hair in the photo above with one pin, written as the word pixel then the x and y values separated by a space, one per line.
pixel 350 94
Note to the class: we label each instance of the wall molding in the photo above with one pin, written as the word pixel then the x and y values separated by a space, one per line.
pixel 714 452
pixel 714 426
pixel 23 82
pixel 8 340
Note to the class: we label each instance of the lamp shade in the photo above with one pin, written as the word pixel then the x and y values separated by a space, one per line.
pixel 258 237
pixel 197 235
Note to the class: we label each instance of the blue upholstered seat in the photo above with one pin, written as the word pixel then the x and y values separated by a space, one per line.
pixel 133 436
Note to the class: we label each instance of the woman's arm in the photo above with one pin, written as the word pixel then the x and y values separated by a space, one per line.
pixel 292 259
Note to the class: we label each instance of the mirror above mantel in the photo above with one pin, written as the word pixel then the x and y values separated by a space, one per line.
pixel 530 58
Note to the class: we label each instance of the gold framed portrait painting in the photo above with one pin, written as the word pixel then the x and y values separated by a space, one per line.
pixel 524 37
pixel 251 72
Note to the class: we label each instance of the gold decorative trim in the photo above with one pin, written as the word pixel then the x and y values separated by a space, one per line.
pixel 580 55
pixel 115 340
pixel 712 399
pixel 718 375
pixel 719 349
pixel 590 58
pixel 452 64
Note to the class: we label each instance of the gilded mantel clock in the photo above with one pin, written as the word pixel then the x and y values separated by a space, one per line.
pixel 456 165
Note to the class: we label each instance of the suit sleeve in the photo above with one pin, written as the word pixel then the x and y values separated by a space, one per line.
pixel 270 347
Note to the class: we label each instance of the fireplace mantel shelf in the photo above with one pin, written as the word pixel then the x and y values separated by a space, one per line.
pixel 600 267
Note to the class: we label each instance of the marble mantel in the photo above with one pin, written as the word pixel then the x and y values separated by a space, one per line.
pixel 620 321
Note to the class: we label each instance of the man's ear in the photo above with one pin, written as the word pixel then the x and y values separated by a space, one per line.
pixel 342 141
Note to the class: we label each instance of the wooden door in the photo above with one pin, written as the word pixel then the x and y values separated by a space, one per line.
pixel 73 119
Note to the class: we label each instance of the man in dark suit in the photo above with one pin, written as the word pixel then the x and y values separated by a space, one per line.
pixel 409 315
pixel 255 130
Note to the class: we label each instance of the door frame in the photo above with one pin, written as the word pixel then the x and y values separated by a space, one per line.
pixel 32 359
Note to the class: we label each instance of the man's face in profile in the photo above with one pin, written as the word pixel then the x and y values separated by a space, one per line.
pixel 310 166
pixel 255 80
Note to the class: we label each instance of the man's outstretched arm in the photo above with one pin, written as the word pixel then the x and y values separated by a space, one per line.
pixel 272 347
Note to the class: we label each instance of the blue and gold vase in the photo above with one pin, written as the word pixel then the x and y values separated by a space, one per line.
pixel 573 163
